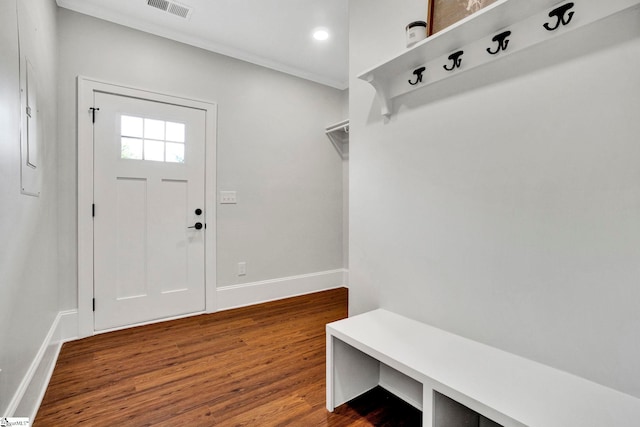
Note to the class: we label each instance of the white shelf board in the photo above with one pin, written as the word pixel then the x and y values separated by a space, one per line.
pixel 338 128
pixel 338 134
pixel 473 35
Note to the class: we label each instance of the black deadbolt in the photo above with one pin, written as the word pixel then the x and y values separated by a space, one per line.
pixel 198 211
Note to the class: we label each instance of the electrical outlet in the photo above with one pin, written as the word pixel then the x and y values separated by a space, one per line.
pixel 228 197
pixel 242 268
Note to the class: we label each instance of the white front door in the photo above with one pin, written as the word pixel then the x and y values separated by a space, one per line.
pixel 149 196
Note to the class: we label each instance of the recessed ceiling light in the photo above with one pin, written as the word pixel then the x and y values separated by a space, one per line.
pixel 320 34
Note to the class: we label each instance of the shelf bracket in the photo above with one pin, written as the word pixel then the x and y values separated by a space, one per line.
pixel 382 93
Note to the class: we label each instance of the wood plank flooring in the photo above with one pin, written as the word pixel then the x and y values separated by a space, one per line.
pixel 262 365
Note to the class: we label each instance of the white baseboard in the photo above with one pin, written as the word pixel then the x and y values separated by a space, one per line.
pixel 28 396
pixel 269 290
pixel 68 326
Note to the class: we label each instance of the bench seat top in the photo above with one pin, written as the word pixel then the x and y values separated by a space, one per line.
pixel 527 391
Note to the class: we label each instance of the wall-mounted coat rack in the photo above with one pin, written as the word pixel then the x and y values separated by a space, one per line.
pixel 501 29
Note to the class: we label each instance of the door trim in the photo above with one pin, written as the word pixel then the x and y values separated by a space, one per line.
pixel 86 87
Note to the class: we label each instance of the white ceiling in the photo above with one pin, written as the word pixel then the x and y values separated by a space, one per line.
pixel 272 33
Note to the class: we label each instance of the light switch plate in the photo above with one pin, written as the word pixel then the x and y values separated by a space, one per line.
pixel 228 197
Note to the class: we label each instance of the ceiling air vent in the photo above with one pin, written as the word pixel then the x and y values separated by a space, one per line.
pixel 179 10
pixel 171 7
pixel 159 4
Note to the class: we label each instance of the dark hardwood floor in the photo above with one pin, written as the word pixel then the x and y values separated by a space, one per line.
pixel 262 365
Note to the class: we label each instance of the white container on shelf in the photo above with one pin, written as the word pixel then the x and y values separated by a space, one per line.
pixel 416 31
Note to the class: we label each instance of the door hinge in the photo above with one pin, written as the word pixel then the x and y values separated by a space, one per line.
pixel 94 304
pixel 93 209
pixel 93 113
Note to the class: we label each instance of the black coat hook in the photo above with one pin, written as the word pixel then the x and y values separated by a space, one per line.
pixel 502 41
pixel 559 13
pixel 418 73
pixel 457 60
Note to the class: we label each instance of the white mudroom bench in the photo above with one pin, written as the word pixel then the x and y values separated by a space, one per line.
pixel 413 360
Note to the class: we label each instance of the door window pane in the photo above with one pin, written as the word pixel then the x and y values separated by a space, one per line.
pixel 153 129
pixel 175 152
pixel 131 126
pixel 175 132
pixel 131 148
pixel 154 150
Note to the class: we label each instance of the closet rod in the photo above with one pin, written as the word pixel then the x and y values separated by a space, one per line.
pixel 344 125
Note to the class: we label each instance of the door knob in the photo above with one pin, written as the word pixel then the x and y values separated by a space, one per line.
pixel 197 226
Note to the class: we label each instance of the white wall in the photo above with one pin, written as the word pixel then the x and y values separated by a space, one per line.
pixel 28 237
pixel 271 148
pixel 505 207
pixel 345 187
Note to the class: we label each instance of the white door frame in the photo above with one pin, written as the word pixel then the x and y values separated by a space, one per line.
pixel 86 88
